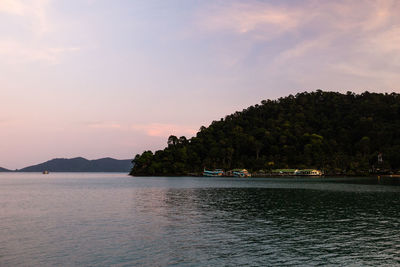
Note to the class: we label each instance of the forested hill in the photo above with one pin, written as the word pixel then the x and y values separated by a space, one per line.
pixel 3 170
pixel 339 133
pixel 81 165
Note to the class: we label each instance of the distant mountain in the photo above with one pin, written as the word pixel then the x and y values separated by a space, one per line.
pixel 4 170
pixel 81 165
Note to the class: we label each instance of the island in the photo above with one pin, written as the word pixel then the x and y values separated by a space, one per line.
pixel 80 164
pixel 4 170
pixel 339 134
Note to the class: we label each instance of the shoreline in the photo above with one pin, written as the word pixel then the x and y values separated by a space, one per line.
pixel 278 176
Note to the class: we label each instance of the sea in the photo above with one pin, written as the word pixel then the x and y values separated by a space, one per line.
pixel 103 219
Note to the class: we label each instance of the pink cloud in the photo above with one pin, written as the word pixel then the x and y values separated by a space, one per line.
pixel 34 10
pixel 164 130
pixel 264 19
pixel 17 52
pixel 12 7
pixel 357 32
pixel 34 17
pixel 245 17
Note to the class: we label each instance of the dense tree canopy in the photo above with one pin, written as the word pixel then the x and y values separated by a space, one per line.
pixel 339 133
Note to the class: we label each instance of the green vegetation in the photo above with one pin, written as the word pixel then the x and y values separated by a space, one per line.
pixel 338 133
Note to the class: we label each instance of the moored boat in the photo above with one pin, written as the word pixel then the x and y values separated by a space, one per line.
pixel 309 172
pixel 242 173
pixel 214 173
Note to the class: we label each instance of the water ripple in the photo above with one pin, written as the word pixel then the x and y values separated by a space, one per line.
pixel 122 221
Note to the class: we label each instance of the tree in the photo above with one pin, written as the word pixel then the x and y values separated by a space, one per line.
pixel 172 141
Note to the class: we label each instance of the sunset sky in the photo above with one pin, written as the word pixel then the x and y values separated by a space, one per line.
pixel 102 78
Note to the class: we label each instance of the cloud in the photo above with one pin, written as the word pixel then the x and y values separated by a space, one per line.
pixel 150 129
pixel 260 18
pixel 295 39
pixel 34 11
pixel 14 52
pixel 256 18
pixel 164 130
pixel 14 7
pixel 386 41
pixel 30 32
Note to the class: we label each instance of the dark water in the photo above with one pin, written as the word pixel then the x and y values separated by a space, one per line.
pixel 75 219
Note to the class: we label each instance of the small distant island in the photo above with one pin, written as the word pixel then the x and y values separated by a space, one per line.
pixel 80 164
pixel 4 170
pixel 339 134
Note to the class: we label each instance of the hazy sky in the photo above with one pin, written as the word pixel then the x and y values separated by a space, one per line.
pixel 98 78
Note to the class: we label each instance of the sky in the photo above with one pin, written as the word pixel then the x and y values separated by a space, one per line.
pixel 102 78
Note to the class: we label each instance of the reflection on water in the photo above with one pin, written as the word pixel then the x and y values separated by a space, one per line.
pixel 287 226
pixel 98 219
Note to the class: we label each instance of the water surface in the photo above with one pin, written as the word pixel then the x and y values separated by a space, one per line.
pixel 81 219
